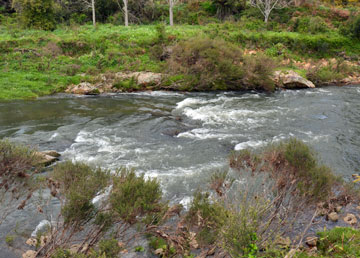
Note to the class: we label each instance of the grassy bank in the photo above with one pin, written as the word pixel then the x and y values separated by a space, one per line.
pixel 35 63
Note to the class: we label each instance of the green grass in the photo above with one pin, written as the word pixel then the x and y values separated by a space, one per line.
pixel 28 68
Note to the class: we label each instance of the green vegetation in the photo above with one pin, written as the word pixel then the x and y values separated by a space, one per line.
pixel 241 220
pixel 209 54
pixel 336 243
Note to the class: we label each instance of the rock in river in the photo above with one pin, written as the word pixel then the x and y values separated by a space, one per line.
pixel 291 80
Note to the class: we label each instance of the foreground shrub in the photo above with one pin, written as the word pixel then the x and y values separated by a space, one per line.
pixel 294 167
pixel 133 196
pixel 212 63
pixel 17 165
pixel 78 184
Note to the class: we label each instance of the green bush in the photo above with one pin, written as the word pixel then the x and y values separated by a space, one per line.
pixel 312 25
pixel 78 185
pixel 212 63
pixel 133 197
pixel 109 247
pixel 339 242
pixel 37 14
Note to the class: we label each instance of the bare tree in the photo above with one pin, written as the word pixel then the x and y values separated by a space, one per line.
pixel 90 5
pixel 266 6
pixel 126 12
pixel 171 12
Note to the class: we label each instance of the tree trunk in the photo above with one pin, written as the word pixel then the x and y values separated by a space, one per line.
pixel 126 13
pixel 171 14
pixel 93 12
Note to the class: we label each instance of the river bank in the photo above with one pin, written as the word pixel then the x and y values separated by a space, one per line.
pixel 36 63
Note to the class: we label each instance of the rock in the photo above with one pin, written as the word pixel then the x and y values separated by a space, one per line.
pixel 338 209
pixel 333 216
pixel 51 153
pixel 45 159
pixel 142 78
pixel 350 219
pixel 311 241
pixel 291 80
pixel 192 241
pixel 84 88
pixel 29 254
pixel 31 241
pixel 159 251
pixel 358 207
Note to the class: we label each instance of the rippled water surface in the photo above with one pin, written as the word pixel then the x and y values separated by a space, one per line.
pixel 182 138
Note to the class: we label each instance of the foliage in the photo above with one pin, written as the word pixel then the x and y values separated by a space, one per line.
pixel 213 63
pixel 78 185
pixel 339 242
pixel 18 163
pixel 109 247
pixel 36 13
pixel 312 25
pixel 228 7
pixel 133 196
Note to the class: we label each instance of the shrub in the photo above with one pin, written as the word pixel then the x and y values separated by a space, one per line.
pixel 78 184
pixel 339 242
pixel 18 163
pixel 132 196
pixel 36 13
pixel 258 72
pixel 212 63
pixel 109 247
pixel 312 25
pixel 355 28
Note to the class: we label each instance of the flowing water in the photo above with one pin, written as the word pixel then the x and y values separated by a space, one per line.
pixel 183 138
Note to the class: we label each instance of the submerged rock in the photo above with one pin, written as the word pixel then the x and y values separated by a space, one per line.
pixel 333 216
pixel 311 241
pixel 29 254
pixel 291 80
pixel 46 158
pixel 350 219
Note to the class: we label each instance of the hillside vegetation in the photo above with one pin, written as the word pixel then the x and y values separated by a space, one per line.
pixel 319 41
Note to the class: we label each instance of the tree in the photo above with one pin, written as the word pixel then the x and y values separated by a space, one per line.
pixel 126 13
pixel 171 12
pixel 225 8
pixel 37 14
pixel 91 5
pixel 266 6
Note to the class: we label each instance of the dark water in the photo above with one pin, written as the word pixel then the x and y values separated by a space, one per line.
pixel 182 138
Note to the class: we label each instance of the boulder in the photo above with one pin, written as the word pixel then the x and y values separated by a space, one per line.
pixel 311 241
pixel 291 80
pixel 46 158
pixel 283 242
pixel 350 219
pixel 333 216
pixel 142 78
pixel 84 88
pixel 29 254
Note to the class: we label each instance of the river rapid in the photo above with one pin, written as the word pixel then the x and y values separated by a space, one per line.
pixel 182 138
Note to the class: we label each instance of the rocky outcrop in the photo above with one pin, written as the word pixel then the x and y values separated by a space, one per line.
pixel 108 83
pixel 46 158
pixel 84 88
pixel 291 80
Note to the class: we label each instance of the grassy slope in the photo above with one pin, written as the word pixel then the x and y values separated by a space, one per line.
pixel 29 69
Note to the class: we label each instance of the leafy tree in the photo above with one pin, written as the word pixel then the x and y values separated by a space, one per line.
pixel 228 7
pixel 36 13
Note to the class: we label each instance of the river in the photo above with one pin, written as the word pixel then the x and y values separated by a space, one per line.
pixel 181 138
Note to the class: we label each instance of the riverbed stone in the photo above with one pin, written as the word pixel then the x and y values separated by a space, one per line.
pixel 31 241
pixel 283 242
pixel 333 216
pixel 45 159
pixel 291 80
pixel 141 78
pixel 29 254
pixel 350 219
pixel 311 241
pixel 83 88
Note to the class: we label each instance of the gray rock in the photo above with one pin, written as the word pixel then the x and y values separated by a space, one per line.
pixel 333 216
pixel 291 80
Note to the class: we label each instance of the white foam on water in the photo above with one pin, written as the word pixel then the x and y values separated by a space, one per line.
pixel 53 136
pixel 42 227
pixel 249 144
pixel 203 134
